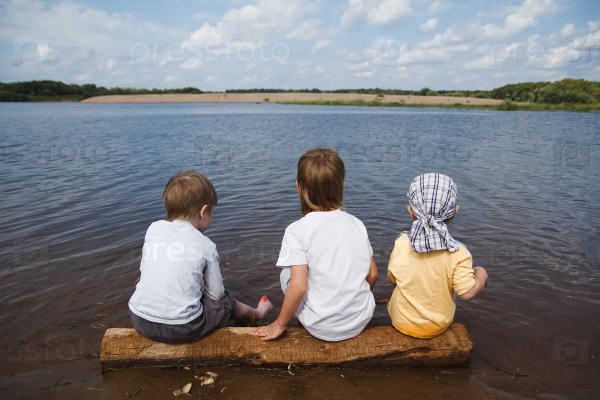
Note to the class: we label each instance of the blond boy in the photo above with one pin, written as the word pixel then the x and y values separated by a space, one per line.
pixel 180 295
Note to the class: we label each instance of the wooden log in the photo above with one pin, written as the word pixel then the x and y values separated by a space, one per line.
pixel 382 346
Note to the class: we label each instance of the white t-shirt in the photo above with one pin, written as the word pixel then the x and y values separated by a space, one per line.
pixel 178 264
pixel 334 244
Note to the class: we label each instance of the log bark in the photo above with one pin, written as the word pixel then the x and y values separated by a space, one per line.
pixel 382 346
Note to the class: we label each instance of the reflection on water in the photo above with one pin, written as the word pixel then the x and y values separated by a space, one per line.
pixel 82 182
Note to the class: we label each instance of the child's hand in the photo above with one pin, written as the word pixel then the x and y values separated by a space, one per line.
pixel 269 332
pixel 483 272
pixel 481 281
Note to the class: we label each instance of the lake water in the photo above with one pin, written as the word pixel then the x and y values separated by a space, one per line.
pixel 80 183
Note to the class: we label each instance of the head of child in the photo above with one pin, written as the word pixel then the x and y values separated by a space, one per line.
pixel 192 197
pixel 432 195
pixel 432 205
pixel 320 180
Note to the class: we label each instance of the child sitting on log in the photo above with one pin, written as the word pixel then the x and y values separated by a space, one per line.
pixel 327 262
pixel 180 295
pixel 427 265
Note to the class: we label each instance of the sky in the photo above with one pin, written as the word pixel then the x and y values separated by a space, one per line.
pixel 300 44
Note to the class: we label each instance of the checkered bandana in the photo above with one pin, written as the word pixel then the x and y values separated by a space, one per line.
pixel 433 200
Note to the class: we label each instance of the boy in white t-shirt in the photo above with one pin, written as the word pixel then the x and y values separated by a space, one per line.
pixel 180 295
pixel 327 260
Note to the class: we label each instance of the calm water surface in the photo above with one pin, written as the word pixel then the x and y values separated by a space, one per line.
pixel 80 183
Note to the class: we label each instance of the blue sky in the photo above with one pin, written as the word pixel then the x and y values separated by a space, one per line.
pixel 296 44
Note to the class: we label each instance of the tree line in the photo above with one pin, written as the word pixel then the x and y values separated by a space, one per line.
pixel 566 91
pixel 47 90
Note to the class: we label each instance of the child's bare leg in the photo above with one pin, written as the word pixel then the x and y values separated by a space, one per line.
pixel 244 311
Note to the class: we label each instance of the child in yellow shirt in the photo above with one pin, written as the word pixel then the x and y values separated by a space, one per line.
pixel 427 265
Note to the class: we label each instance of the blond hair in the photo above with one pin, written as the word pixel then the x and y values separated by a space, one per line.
pixel 320 180
pixel 186 193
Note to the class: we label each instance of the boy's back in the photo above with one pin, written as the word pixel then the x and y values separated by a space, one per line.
pixel 176 260
pixel 422 303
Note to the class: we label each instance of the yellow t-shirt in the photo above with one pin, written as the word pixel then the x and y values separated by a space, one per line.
pixel 422 304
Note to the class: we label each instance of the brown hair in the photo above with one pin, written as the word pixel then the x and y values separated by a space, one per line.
pixel 186 193
pixel 320 180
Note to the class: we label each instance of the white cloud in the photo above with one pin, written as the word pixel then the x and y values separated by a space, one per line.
pixel 250 79
pixel 542 53
pixel 306 30
pixel 483 62
pixel 582 50
pixel 255 22
pixel 305 69
pixel 364 74
pixel 429 25
pixel 212 78
pixel 437 6
pixel 44 52
pixel 375 12
pixel 320 45
pixel 190 65
pixel 567 30
pixel 79 26
pixel 388 11
pixel 353 13
pixel 251 66
pixel 82 78
pixel 79 42
pixel 205 35
pixel 110 64
pixel 523 17
pixel 171 78
pixel 517 20
pixel 359 66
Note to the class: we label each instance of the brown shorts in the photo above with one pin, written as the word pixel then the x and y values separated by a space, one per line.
pixel 215 314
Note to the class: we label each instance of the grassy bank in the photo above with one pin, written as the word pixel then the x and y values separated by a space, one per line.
pixel 505 106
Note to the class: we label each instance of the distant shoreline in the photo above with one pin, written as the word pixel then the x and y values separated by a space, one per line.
pixel 290 98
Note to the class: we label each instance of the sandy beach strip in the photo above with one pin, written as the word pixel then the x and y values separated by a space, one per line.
pixel 285 97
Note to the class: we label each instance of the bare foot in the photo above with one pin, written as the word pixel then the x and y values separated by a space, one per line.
pixel 264 305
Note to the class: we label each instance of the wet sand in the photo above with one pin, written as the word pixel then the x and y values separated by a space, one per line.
pixel 286 97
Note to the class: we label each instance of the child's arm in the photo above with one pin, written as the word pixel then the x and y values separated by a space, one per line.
pixel 481 281
pixel 213 281
pixel 373 273
pixel 391 277
pixel 293 297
